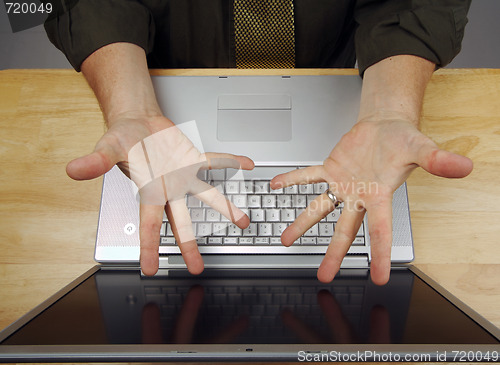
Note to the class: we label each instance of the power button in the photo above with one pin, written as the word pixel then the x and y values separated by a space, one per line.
pixel 129 229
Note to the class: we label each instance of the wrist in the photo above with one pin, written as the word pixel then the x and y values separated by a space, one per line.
pixel 147 123
pixel 119 76
pixel 394 88
pixel 382 116
pixel 147 116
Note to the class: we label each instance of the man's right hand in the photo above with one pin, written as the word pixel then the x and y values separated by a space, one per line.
pixel 164 164
pixel 118 73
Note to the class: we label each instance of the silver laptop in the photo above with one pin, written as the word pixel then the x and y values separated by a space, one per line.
pixel 282 123
pixel 236 310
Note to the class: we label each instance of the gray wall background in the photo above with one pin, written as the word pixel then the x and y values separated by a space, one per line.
pixel 480 47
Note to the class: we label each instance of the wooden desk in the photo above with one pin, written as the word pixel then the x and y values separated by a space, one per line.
pixel 48 222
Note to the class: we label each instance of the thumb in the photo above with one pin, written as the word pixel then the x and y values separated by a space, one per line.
pixel 94 164
pixel 443 163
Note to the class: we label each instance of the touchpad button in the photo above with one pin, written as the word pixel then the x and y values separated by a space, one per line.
pixel 248 118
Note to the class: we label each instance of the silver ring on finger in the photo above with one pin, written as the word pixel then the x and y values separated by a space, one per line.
pixel 333 198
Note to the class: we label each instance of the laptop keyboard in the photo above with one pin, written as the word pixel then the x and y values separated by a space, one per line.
pixel 270 212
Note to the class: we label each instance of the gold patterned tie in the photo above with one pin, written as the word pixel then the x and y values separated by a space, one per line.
pixel 264 33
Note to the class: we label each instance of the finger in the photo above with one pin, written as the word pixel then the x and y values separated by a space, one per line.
pixel 227 160
pixel 345 232
pixel 186 319
pixel 314 212
pixel 443 163
pixel 308 175
pixel 211 196
pixel 178 216
pixel 380 229
pixel 380 325
pixel 151 218
pixel 151 324
pixel 300 328
pixel 94 164
pixel 339 324
pixel 232 331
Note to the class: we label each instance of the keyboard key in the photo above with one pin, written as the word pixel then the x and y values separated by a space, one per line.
pixel 169 230
pixel 272 215
pixel 306 189
pixel 326 229
pixel 220 229
pixel 257 215
pixel 278 228
pixel 204 229
pixel 167 241
pixel 265 229
pixel 197 215
pixel 219 185
pixel 288 215
pixel 268 201
pixel 163 229
pixel 310 198
pixel 246 187
pixel 361 231
pixel 217 174
pixel 254 201
pixel 201 240
pixel 214 240
pixel 313 231
pixel 193 202
pixel 277 191
pixel 299 201
pixel 232 187
pixel 284 201
pixel 359 241
pixel 261 241
pixel 324 240
pixel 233 230
pixel 251 230
pixel 308 240
pixel 333 216
pixel 239 200
pixel 320 188
pixel 261 187
pixel 275 241
pixel 245 241
pixel 212 215
pixel 230 240
pixel 291 190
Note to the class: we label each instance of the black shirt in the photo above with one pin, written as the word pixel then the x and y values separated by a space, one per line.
pixel 200 33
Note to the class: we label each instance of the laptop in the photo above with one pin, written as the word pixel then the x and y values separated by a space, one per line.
pixel 256 300
pixel 281 123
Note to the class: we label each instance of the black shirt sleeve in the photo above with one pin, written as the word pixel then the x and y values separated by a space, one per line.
pixel 430 29
pixel 198 33
pixel 82 27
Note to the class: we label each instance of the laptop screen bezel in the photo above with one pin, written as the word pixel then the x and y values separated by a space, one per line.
pixel 236 352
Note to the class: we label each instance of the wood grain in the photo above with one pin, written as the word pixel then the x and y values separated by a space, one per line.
pixel 48 222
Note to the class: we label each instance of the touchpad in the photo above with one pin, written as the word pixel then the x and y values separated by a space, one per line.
pixel 252 118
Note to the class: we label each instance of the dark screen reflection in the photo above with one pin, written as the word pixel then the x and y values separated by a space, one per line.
pixel 121 307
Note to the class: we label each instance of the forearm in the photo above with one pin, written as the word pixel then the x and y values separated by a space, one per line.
pixel 118 74
pixel 394 88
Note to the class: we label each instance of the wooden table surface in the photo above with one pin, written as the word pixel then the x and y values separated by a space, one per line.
pixel 48 222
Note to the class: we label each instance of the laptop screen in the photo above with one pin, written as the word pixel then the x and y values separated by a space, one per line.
pixel 250 307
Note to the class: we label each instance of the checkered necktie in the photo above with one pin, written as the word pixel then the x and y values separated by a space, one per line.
pixel 264 34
